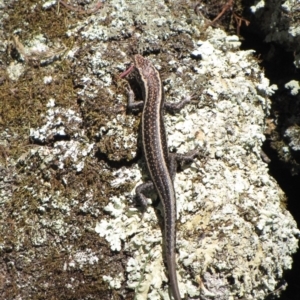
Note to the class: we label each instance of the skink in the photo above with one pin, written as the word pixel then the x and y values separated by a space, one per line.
pixel 160 163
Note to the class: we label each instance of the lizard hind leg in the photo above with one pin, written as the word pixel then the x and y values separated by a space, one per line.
pixel 140 193
pixel 174 158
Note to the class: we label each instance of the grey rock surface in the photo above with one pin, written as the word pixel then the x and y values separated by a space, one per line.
pixel 69 224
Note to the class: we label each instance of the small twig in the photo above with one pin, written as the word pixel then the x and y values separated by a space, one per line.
pixel 228 6
pixel 196 8
pixel 239 21
pixel 282 287
pixel 224 9
pixel 34 56
pixel 19 47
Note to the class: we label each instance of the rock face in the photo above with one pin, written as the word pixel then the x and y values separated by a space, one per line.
pixel 69 227
pixel 278 22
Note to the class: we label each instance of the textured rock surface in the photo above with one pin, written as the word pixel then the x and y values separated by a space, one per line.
pixel 279 21
pixel 69 224
pixel 278 24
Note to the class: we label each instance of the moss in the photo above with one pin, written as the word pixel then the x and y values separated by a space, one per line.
pixel 37 243
pixel 33 19
pixel 24 102
pixel 45 262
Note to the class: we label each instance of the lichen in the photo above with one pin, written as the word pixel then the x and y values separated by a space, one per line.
pixel 228 198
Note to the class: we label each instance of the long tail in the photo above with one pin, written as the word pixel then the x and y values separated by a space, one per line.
pixel 170 243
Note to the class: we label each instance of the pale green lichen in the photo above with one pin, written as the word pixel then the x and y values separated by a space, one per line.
pixel 232 187
pixel 293 86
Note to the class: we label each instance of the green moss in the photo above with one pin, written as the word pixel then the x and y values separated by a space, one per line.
pixel 45 263
pixel 23 106
pixel 33 19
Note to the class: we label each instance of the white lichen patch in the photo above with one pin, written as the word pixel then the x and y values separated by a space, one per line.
pixel 114 283
pixel 58 122
pixel 233 232
pixel 293 134
pixel 259 5
pixel 15 70
pixel 48 4
pixel 61 123
pixel 293 86
pixel 80 259
pixel 64 152
pixel 122 22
